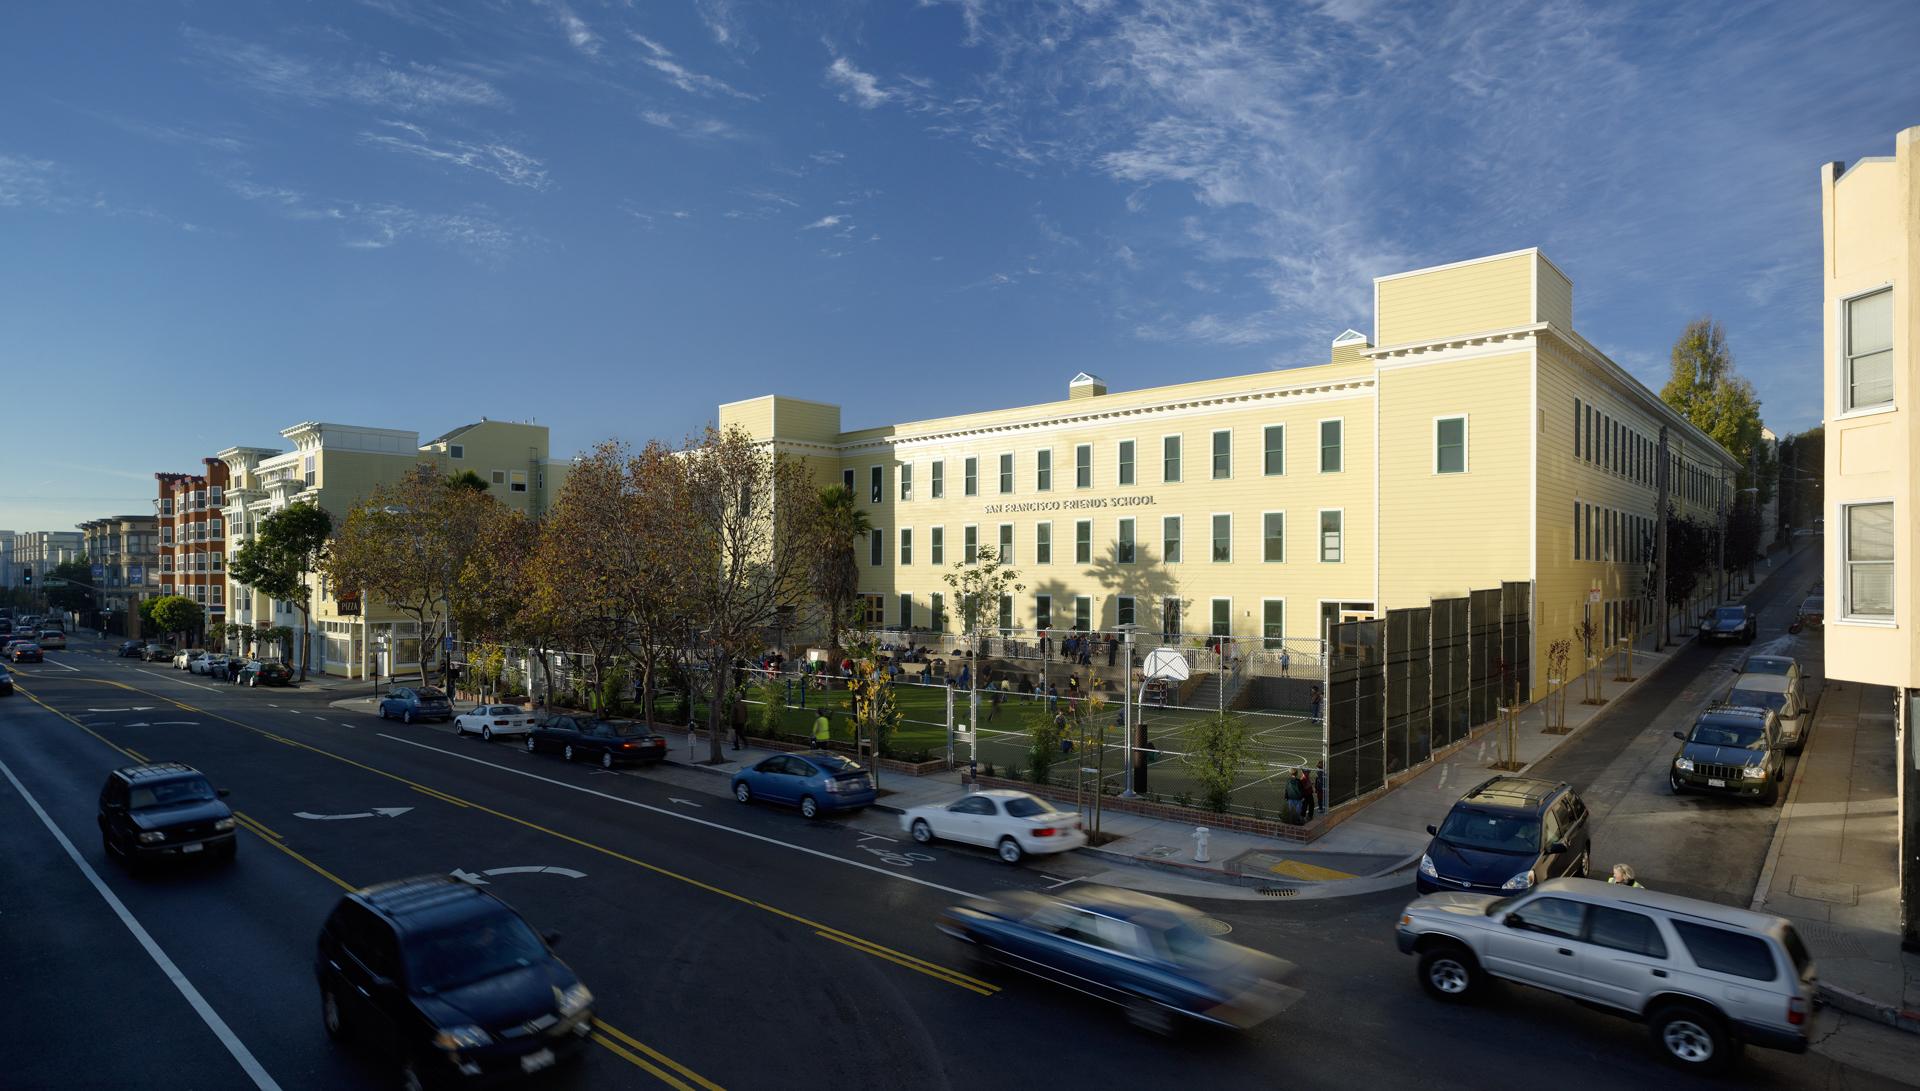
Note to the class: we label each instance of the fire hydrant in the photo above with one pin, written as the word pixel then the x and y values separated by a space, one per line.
pixel 1200 837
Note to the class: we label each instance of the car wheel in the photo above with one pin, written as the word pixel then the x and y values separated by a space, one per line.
pixel 1584 867
pixel 406 717
pixel 486 734
pixel 1010 850
pixel 254 682
pixel 922 832
pixel 606 759
pixel 1678 788
pixel 1692 1038
pixel 1449 973
pixel 743 793
pixel 331 1016
pixel 1150 1016
pixel 532 747
pixel 808 808
pixel 1771 795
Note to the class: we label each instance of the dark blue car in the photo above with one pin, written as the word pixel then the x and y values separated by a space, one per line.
pixel 816 782
pixel 1729 623
pixel 1154 958
pixel 1506 835
pixel 415 703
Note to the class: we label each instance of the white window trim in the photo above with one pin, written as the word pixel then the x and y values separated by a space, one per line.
pixel 1164 437
pixel 1842 372
pixel 975 489
pixel 1211 516
pixel 1847 616
pixel 1134 600
pixel 939 532
pixel 1320 445
pixel 1228 599
pixel 937 479
pixel 1133 526
pixel 1466 444
pixel 1077 524
pixel 1077 600
pixel 1048 596
pixel 902 550
pixel 1320 541
pixel 1002 542
pixel 1048 524
pixel 1181 522
pixel 1010 479
pixel 964 528
pixel 903 481
pixel 1134 462
pixel 1037 486
pixel 882 471
pixel 1077 448
pixel 876 547
pixel 1264 472
pixel 1214 435
pixel 1283 536
pixel 1263 623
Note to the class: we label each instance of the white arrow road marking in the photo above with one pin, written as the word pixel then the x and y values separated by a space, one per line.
pixel 677 799
pixel 881 836
pixel 377 812
pixel 109 710
pixel 467 877
pixel 139 723
pixel 526 869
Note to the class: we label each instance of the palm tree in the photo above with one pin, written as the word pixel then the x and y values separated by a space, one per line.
pixel 836 573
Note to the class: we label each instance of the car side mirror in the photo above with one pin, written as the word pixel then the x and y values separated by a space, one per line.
pixel 1557 847
pixel 222 792
pixel 552 938
pixel 1680 735
pixel 1514 920
pixel 1433 830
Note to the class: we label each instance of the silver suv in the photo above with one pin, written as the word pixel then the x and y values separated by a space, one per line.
pixel 1707 979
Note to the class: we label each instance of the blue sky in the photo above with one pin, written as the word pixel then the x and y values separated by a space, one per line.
pixel 217 220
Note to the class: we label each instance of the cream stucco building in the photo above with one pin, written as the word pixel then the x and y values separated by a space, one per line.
pixel 1473 438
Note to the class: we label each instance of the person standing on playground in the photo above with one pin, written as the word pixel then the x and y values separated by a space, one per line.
pixel 822 729
pixel 1307 802
pixel 1314 705
pixel 1286 662
pixel 1296 803
pixel 998 694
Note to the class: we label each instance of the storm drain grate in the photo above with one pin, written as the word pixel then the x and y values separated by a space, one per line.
pixel 1278 891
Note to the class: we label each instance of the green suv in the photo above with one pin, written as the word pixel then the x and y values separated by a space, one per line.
pixel 1731 751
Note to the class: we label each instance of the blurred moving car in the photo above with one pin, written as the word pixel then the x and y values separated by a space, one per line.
pixel 131 648
pixel 53 639
pixel 25 651
pixel 1014 824
pixel 1773 682
pixel 609 742
pixel 157 652
pixel 1706 979
pixel 183 660
pixel 1153 957
pixel 264 672
pixel 164 809
pixel 1730 751
pixel 816 781
pixel 1729 623
pixel 410 703
pixel 487 721
pixel 448 983
pixel 1507 834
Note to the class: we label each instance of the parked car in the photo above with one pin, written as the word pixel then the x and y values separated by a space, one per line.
pixel 608 742
pixel 1706 979
pixel 1813 612
pixel 1728 623
pixel 164 809
pixel 1730 751
pixel 487 721
pixel 1773 682
pixel 157 652
pixel 1152 957
pixel 410 703
pixel 1508 834
pixel 816 781
pixel 25 651
pixel 53 639
pixel 1014 824
pixel 183 660
pixel 264 672
pixel 6 683
pixel 208 664
pixel 132 648
pixel 447 983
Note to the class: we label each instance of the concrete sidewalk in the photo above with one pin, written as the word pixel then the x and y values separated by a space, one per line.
pixel 1833 865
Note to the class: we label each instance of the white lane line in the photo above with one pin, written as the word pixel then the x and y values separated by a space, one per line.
pixel 891 874
pixel 207 1015
pixel 345 724
pixel 164 678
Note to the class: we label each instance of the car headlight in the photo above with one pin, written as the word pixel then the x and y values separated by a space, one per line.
pixel 1685 765
pixel 467 1037
pixel 1427 868
pixel 1754 772
pixel 574 1000
pixel 223 824
pixel 152 837
pixel 1519 882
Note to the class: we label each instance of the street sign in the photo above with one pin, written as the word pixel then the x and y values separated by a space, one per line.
pixel 1167 663
pixel 1593 596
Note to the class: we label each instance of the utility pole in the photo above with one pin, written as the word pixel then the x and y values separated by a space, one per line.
pixel 1720 541
pixel 1753 481
pixel 1660 540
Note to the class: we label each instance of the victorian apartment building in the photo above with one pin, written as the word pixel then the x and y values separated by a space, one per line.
pixel 124 551
pixel 192 526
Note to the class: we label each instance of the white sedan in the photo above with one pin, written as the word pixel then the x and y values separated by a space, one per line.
pixel 1014 824
pixel 487 721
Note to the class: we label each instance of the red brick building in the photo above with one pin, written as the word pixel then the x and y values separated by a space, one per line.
pixel 193 538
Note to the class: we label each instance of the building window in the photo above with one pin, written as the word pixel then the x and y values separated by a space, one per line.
pixel 1082 614
pixel 846 479
pixel 1593 533
pixel 1275 458
pixel 1223 538
pixel 499 477
pixel 1083 541
pixel 876 546
pixel 906 481
pixel 906 611
pixel 517 481
pixel 906 545
pixel 1083 466
pixel 970 549
pixel 216 594
pixel 306 469
pixel 1330 460
pixel 1170 617
pixel 1592 434
pixel 1123 610
pixel 1042 612
pixel 939 480
pixel 1123 551
pixel 937 546
pixel 1006 474
pixel 1273 536
pixel 455 450
pixel 1006 543
pixel 1222 455
pixel 1576 530
pixel 1170 539
pixel 1450 445
pixel 1869 350
pixel 218 496
pixel 970 477
pixel 1869 554
pixel 1330 536
pixel 215 528
pixel 1170 459
pixel 1043 543
pixel 873 611
pixel 1124 462
pixel 1043 470
pixel 937 612
pixel 877 483
pixel 1222 617
pixel 1273 623
pixel 1579 416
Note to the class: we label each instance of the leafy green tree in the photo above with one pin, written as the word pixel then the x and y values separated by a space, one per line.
pixel 179 615
pixel 290 546
pixel 834 570
pixel 467 479
pixel 1217 752
pixel 1704 388
pixel 76 595
pixel 875 713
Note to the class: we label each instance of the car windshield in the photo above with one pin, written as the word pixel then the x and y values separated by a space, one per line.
pixel 1730 613
pixel 1492 831
pixel 1740 736
pixel 1754 698
pixel 833 763
pixel 1184 943
pixel 471 951
pixel 1769 664
pixel 1026 807
pixel 169 793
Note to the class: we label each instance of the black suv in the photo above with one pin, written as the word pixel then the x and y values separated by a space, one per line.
pixel 1732 750
pixel 447 981
pixel 1506 835
pixel 161 810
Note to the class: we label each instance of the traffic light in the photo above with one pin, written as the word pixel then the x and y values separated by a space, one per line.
pixel 27 573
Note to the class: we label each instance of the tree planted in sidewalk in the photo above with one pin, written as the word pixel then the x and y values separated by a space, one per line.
pixel 178 614
pixel 288 548
pixel 876 716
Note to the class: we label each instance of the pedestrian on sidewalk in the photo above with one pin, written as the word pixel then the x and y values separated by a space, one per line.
pixel 737 723
pixel 1307 802
pixel 822 730
pixel 1314 704
pixel 1295 801
pixel 1623 876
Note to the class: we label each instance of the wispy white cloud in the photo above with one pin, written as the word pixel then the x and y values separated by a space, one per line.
pixel 501 161
pixel 27 182
pixel 860 88
pixel 693 83
pixel 699 128
pixel 579 35
pixel 723 22
pixel 415 88
pixel 379 225
pixel 825 222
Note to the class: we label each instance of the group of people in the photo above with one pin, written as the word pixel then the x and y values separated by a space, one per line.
pixel 1303 792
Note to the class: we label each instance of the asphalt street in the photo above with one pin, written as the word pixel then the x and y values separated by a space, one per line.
pixel 727 945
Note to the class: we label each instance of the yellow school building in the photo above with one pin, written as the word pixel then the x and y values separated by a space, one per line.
pixel 1472 438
